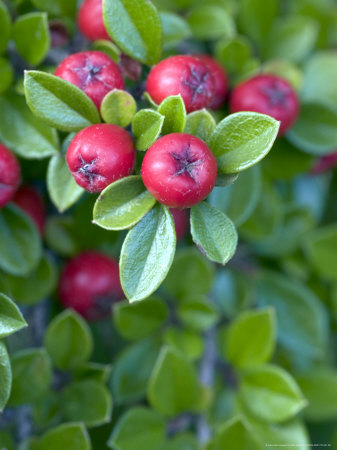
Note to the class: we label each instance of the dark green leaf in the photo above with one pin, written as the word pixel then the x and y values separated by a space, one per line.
pixel 5 26
pixel 200 123
pixel 118 107
pixel 235 434
pixel 146 128
pixel 5 376
pixel 6 74
pixel 174 111
pixel 67 8
pixel 210 22
pixel 69 436
pixel 11 319
pixel 175 29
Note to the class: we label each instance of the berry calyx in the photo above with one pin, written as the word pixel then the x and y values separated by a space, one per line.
pixel 9 175
pixel 185 75
pixel 179 170
pixel 90 20
pixel 93 72
pixel 99 155
pixel 267 94
pixel 30 201
pixel 220 78
pixel 90 284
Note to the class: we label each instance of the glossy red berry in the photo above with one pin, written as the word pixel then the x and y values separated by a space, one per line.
pixel 99 155
pixel 9 175
pixel 221 80
pixel 179 170
pixel 185 75
pixel 30 201
pixel 90 20
pixel 90 284
pixel 93 72
pixel 267 94
pixel 181 221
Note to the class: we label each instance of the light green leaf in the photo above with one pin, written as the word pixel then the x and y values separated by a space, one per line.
pixel 136 28
pixel 235 434
pixel 123 204
pixel 174 111
pixel 146 128
pixel 68 340
pixel 233 53
pixel 31 36
pixel 5 26
pixel 147 254
pixel 5 376
pixel 139 428
pixel 58 102
pixel 69 436
pixel 118 107
pixel 175 29
pixel 213 232
pixel 200 123
pixel 107 47
pixel 11 319
pixel 242 139
pixel 197 312
pixel 6 73
pixel 210 22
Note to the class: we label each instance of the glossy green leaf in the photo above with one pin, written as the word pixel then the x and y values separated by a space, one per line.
pixel 87 401
pixel 200 123
pixel 147 254
pixel 69 436
pixel 174 111
pixel 173 385
pixel 184 340
pixel 146 128
pixel 123 204
pixel 175 29
pixel 6 74
pixel 20 244
pixel 11 319
pixel 136 28
pixel 107 47
pixel 32 376
pixel 58 102
pixel 68 340
pixel 213 232
pixel 251 338
pixel 197 312
pixel 5 26
pixel 118 107
pixel 210 22
pixel 31 36
pixel 242 139
pixel 5 376
pixel 22 132
pixel 135 321
pixel 235 434
pixel 139 428
pixel 271 394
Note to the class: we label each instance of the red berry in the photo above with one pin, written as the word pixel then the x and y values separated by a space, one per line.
pixel 185 75
pixel 90 20
pixel 267 94
pixel 30 201
pixel 9 175
pixel 179 170
pixel 221 80
pixel 93 72
pixel 181 221
pixel 90 285
pixel 99 155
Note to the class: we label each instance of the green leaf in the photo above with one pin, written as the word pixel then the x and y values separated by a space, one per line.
pixel 251 338
pixel 11 319
pixel 319 386
pixel 107 47
pixel 62 188
pixel 233 53
pixel 86 401
pixel 186 341
pixel 136 28
pixel 67 8
pixel 197 312
pixel 58 102
pixel 5 376
pixel 213 232
pixel 235 434
pixel 200 123
pixel 271 394
pixel 94 371
pixel 6 441
pixel 315 131
pixel 139 428
pixel 211 22
pixel 175 29
pixel 69 436
pixel 32 376
pixel 191 273
pixel 123 204
pixel 173 108
pixel 147 254
pixel 20 244
pixel 135 321
pixel 36 285
pixel 5 26
pixel 118 107
pixel 242 139
pixel 60 236
pixel 31 37
pixel 22 132
pixel 146 128
pixel 132 370
pixel 68 340
pixel 294 37
pixel 173 386
pixel 6 74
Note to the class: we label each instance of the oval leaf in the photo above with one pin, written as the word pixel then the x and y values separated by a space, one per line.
pixel 11 319
pixel 146 128
pixel 5 26
pixel 175 29
pixel 147 254
pixel 5 376
pixel 173 108
pixel 200 123
pixel 67 436
pixel 210 22
pixel 118 107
